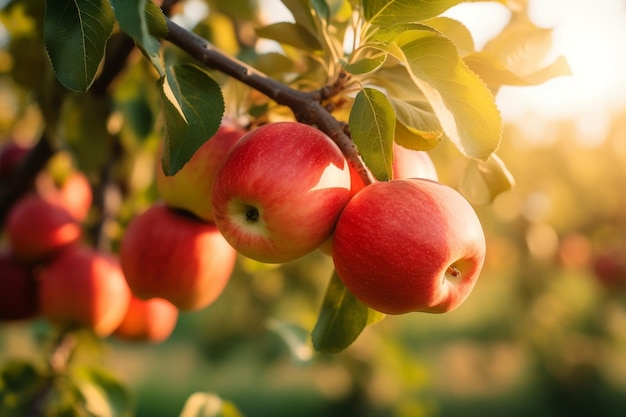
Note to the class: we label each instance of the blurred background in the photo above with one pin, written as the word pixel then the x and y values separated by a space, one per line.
pixel 544 332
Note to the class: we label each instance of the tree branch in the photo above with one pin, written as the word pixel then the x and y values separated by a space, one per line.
pixel 306 106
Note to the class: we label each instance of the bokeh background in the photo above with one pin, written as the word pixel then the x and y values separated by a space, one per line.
pixel 544 332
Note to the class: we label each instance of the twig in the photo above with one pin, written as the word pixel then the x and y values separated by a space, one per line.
pixel 306 106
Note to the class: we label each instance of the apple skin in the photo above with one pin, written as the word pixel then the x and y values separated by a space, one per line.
pixel 37 228
pixel 150 321
pixel 169 254
pixel 85 288
pixel 395 242
pixel 279 193
pixel 18 289
pixel 75 193
pixel 191 188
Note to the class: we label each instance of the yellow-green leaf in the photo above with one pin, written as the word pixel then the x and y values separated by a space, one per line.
pixel 372 124
pixel 389 12
pixel 461 101
pixel 484 180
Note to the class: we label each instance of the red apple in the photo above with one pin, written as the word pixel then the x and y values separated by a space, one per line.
pixel 279 193
pixel 191 187
pixel 36 228
pixel 409 245
pixel 74 193
pixel 11 155
pixel 18 289
pixel 169 254
pixel 86 288
pixel 150 320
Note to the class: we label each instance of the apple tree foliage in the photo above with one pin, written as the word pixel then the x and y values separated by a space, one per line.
pixel 366 72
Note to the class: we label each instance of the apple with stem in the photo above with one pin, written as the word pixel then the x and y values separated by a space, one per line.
pixel 18 288
pixel 82 287
pixel 37 227
pixel 409 245
pixel 167 253
pixel 191 187
pixel 279 193
pixel 151 320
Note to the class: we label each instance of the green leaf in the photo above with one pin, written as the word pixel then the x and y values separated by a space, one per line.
pixel 141 22
pixel 461 101
pixel 342 318
pixel 301 12
pixel 202 404
pixel 389 12
pixel 193 107
pixel 102 393
pixel 495 74
pixel 365 65
pixel 372 124
pixel 484 180
pixel 454 30
pixel 75 35
pixel 290 34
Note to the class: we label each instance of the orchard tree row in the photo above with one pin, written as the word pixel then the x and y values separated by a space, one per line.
pixel 146 155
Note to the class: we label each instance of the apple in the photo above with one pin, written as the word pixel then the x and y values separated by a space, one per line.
pixel 85 288
pixel 37 227
pixel 11 156
pixel 18 288
pixel 74 193
pixel 166 253
pixel 279 193
pixel 191 187
pixel 409 245
pixel 150 320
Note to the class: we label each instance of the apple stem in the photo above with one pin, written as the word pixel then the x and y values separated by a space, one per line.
pixel 252 215
pixel 454 271
pixel 306 106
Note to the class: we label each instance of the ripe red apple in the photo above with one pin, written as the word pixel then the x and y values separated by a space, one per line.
pixel 279 193
pixel 191 187
pixel 37 227
pixel 18 289
pixel 169 254
pixel 409 245
pixel 74 193
pixel 150 320
pixel 86 288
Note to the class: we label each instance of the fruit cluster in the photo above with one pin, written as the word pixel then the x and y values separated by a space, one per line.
pixel 273 194
pixel 47 270
pixel 284 190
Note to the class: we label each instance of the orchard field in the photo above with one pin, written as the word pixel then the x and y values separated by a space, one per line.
pixel 529 134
